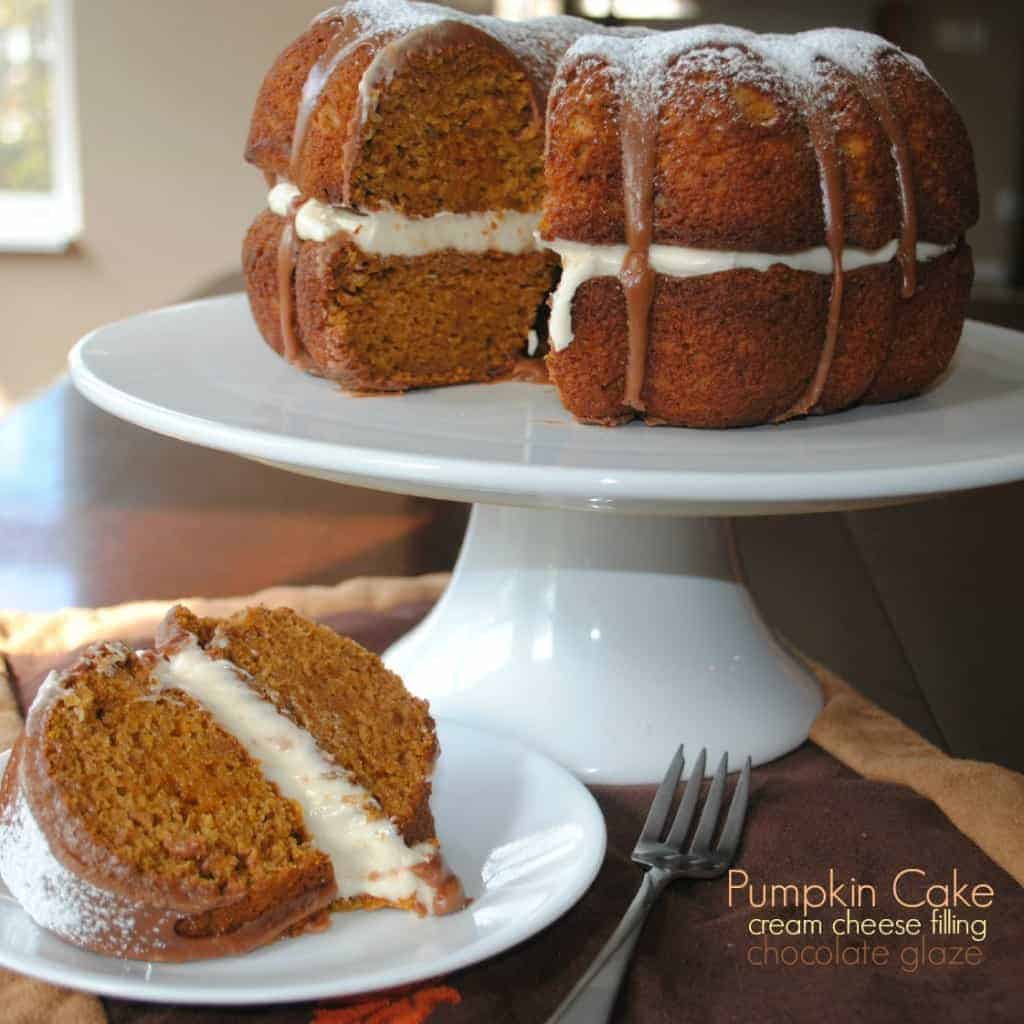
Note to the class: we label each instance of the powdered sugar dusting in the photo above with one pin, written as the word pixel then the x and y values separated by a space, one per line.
pixel 51 690
pixel 855 51
pixel 640 64
pixel 55 898
pixel 538 42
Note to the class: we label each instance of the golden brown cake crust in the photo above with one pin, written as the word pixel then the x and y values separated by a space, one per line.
pixel 927 328
pixel 260 265
pixel 271 130
pixel 871 299
pixel 590 373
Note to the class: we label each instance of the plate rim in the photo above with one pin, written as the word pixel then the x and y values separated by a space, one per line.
pixel 184 991
pixel 385 468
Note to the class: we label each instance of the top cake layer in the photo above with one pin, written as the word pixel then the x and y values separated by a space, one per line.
pixel 460 129
pixel 755 142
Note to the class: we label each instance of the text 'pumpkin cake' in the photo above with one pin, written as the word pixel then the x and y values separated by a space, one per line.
pixel 231 785
pixel 403 145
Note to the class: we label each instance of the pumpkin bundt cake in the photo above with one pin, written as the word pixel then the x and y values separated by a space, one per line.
pixel 229 786
pixel 403 147
pixel 752 227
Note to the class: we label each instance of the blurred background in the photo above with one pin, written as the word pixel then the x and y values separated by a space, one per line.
pixel 122 185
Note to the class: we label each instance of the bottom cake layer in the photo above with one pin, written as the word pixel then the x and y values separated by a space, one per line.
pixel 741 347
pixel 392 323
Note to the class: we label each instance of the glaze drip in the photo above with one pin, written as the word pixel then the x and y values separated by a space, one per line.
pixel 639 135
pixel 823 141
pixel 874 92
pixel 287 254
pixel 807 71
pixel 341 45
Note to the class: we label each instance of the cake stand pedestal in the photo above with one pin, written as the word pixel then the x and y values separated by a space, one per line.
pixel 597 610
pixel 607 640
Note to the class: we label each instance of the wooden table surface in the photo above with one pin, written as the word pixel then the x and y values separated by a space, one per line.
pixel 919 606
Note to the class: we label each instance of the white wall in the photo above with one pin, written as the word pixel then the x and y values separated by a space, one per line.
pixel 165 91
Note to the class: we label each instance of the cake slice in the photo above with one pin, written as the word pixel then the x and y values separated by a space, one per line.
pixel 230 786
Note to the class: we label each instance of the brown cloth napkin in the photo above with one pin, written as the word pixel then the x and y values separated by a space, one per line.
pixel 867 798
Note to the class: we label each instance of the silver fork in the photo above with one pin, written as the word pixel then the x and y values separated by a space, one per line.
pixel 592 998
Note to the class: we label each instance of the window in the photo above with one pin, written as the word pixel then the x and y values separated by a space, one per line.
pixel 640 10
pixel 40 203
pixel 620 10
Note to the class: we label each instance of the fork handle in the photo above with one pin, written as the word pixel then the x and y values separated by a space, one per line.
pixel 593 997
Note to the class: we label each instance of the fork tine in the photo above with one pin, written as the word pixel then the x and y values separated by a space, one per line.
pixel 662 801
pixel 737 812
pixel 688 804
pixel 709 816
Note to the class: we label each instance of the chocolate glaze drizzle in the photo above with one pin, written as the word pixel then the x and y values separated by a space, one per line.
pixel 639 119
pixel 342 43
pixel 822 139
pixel 287 254
pixel 639 135
pixel 874 92
pixel 823 142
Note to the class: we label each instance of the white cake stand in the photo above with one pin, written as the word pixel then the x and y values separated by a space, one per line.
pixel 596 610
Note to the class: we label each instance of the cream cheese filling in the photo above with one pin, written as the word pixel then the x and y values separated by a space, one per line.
pixel 581 262
pixel 389 233
pixel 368 853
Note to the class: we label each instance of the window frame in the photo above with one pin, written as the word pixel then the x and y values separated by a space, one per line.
pixel 51 221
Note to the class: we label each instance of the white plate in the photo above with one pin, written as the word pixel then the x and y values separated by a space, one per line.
pixel 524 836
pixel 201 373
